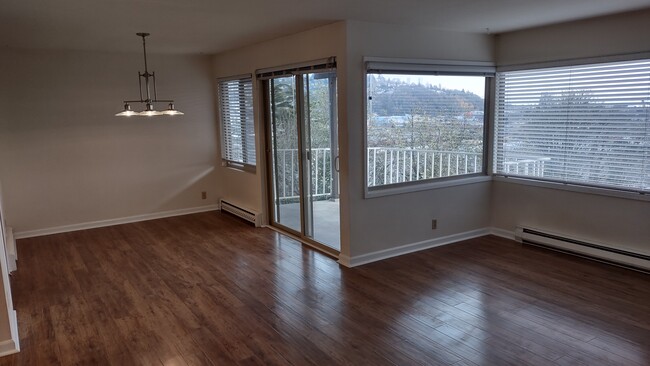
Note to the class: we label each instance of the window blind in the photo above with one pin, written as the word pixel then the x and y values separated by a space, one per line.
pixel 237 122
pixel 586 125
pixel 429 67
pixel 328 64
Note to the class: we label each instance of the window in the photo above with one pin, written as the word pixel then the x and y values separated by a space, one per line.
pixel 237 122
pixel 423 124
pixel 586 125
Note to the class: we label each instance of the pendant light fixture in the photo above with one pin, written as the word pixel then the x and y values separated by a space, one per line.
pixel 149 81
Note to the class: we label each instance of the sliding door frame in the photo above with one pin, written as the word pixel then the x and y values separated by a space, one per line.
pixel 267 100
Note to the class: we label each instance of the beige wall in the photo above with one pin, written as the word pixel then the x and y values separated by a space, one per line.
pixel 614 221
pixel 392 221
pixel 618 222
pixel 612 35
pixel 368 225
pixel 66 159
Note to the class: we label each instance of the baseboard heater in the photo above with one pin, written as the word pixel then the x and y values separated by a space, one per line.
pixel 246 214
pixel 599 252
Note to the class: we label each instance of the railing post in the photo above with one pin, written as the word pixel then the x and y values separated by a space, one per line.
pixel 374 166
pixel 326 187
pixel 391 167
pixel 385 165
pixel 284 173
pixel 403 166
pixel 433 164
pixel 417 168
pixel 294 163
pixel 313 170
pixel 410 166
pixel 466 159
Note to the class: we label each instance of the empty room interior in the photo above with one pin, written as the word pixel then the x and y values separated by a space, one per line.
pixel 325 183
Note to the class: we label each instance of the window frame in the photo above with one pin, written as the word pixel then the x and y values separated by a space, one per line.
pixel 238 165
pixel 429 67
pixel 550 183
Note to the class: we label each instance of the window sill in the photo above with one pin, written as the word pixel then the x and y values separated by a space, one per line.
pixel 239 167
pixel 423 186
pixel 574 188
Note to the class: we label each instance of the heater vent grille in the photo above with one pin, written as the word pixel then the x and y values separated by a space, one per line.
pixel 248 215
pixel 604 253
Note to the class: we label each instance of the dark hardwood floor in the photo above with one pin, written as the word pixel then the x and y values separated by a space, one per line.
pixel 207 289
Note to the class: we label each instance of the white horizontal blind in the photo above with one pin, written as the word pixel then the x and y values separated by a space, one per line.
pixel 328 64
pixel 428 67
pixel 237 122
pixel 586 125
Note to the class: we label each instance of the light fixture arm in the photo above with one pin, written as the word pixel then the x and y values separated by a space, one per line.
pixel 155 94
pixel 146 75
pixel 140 85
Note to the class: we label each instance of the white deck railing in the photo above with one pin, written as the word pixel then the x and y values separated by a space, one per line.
pixel 288 179
pixel 387 165
pixel 533 167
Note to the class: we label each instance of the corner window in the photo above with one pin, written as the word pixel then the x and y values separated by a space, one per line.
pixel 586 125
pixel 424 126
pixel 237 122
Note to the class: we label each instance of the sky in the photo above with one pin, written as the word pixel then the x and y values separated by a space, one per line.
pixel 472 84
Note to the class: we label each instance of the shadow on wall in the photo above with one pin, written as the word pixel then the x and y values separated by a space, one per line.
pixel 198 181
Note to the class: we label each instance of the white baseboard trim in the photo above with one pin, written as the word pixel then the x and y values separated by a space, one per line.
pixel 13 325
pixel 344 260
pixel 502 233
pixel 359 260
pixel 11 346
pixel 111 222
pixel 8 347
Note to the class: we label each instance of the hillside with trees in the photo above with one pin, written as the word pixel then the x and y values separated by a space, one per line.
pixel 411 115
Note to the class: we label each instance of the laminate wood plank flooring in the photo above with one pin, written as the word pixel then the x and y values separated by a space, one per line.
pixel 209 289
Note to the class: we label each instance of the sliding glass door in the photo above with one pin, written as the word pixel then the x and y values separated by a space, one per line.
pixel 287 192
pixel 303 156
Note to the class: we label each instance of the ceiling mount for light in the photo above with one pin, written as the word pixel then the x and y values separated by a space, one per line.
pixel 148 101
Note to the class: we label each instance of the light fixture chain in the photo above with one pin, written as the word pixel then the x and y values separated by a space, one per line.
pixel 144 48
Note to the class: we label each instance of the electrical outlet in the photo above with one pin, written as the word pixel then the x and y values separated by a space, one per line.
pixel 434 224
pixel 204 195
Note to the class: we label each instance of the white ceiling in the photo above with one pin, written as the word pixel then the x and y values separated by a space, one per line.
pixel 211 26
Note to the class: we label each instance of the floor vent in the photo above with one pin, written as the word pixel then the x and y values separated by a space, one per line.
pixel 599 252
pixel 248 215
